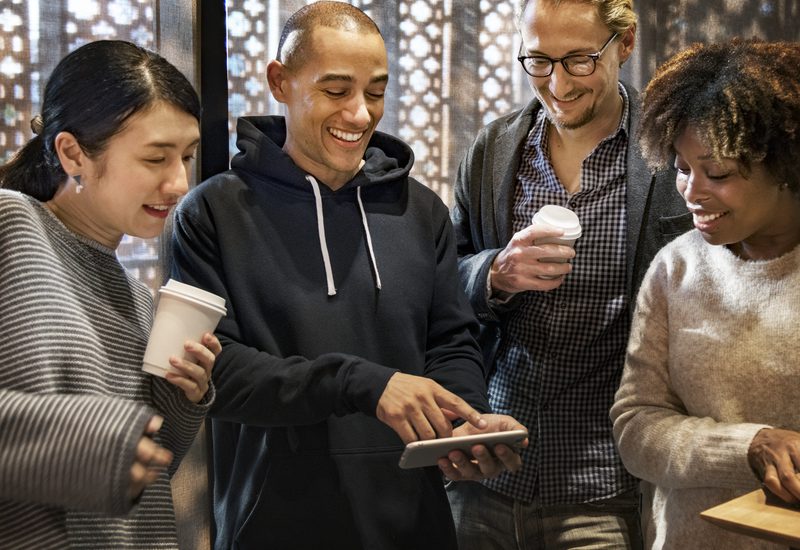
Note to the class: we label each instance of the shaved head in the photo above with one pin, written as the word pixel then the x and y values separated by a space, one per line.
pixel 295 42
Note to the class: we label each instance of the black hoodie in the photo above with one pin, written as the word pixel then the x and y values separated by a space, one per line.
pixel 329 293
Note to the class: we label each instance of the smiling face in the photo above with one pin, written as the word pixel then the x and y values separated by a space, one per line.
pixel 132 186
pixel 573 102
pixel 751 214
pixel 333 102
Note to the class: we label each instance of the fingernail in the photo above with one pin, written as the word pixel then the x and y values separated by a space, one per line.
pixel 482 423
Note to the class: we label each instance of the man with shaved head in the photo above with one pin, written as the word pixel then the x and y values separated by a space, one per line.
pixel 347 334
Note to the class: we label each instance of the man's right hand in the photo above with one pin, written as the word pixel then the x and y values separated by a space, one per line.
pixel 517 268
pixel 150 460
pixel 417 408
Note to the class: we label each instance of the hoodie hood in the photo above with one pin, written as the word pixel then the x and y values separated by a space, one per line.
pixel 260 140
pixel 387 161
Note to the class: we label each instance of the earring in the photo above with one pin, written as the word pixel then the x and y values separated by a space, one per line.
pixel 78 184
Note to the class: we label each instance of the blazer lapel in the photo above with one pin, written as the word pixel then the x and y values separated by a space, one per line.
pixel 508 147
pixel 639 183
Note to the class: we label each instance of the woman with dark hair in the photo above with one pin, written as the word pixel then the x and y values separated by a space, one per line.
pixel 707 406
pixel 83 462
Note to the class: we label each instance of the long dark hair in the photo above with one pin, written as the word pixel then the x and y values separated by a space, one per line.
pixel 91 93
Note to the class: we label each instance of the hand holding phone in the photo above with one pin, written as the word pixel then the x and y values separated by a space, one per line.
pixel 426 453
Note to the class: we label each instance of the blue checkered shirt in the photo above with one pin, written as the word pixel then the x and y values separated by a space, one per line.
pixel 561 358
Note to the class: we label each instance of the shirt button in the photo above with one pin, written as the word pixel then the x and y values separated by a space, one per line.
pixel 562 304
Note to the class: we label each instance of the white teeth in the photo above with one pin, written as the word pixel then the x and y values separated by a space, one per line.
pixel 346 136
pixel 708 217
pixel 159 207
pixel 567 99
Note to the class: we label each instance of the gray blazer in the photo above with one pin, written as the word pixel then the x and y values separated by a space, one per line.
pixel 484 199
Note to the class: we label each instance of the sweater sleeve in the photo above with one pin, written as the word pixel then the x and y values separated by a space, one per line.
pixel 254 387
pixel 182 418
pixel 453 358
pixel 659 441
pixel 71 451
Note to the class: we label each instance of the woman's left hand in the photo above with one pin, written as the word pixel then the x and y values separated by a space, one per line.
pixel 774 454
pixel 194 378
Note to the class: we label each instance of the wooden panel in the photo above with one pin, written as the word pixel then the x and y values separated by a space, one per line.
pixel 751 515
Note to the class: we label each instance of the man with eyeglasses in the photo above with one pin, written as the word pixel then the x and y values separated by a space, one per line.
pixel 554 334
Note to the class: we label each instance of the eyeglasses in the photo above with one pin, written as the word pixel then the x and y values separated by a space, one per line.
pixel 579 64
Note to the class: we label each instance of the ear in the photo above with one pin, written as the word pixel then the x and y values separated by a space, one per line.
pixel 70 155
pixel 627 42
pixel 277 78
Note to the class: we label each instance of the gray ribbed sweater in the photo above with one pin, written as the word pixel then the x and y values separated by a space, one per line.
pixel 73 398
pixel 713 358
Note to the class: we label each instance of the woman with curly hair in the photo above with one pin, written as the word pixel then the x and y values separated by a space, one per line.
pixel 707 406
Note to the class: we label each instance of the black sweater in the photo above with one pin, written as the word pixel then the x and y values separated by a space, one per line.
pixel 309 345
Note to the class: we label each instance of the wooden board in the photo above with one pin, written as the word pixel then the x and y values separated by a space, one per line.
pixel 750 514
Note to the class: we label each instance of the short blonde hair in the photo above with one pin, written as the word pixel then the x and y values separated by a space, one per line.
pixel 618 15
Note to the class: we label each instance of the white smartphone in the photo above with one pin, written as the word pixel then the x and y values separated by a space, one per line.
pixel 425 453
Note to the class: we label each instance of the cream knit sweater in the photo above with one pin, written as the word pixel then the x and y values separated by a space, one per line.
pixel 714 356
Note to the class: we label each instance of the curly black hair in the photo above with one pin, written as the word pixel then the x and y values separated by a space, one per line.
pixel 742 97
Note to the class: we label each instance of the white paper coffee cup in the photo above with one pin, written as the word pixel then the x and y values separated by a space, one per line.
pixel 561 218
pixel 184 312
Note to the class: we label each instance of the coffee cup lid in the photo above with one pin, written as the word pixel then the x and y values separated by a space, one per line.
pixel 197 294
pixel 560 217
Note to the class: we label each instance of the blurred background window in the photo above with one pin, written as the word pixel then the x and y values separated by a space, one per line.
pixel 453 67
pixel 452 64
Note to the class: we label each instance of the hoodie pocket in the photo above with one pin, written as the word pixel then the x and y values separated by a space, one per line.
pixel 299 506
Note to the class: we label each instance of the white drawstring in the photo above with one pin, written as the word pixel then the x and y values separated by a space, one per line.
pixel 369 239
pixel 323 243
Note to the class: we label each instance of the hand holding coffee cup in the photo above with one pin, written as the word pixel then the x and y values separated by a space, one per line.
pixel 192 372
pixel 534 259
pixel 561 218
pixel 182 347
